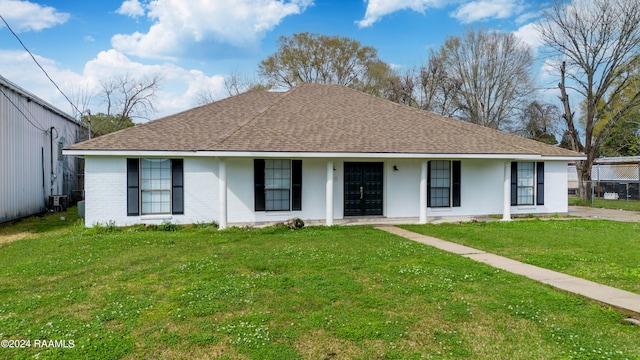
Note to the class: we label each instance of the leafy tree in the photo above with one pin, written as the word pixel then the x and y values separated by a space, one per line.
pixel 314 58
pixel 487 77
pixel 101 124
pixel 596 43
pixel 538 122
pixel 624 140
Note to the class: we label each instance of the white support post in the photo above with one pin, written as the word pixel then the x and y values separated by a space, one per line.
pixel 506 206
pixel 423 193
pixel 222 188
pixel 329 193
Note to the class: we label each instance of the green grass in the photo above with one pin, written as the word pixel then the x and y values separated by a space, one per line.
pixel 606 252
pixel 633 205
pixel 315 293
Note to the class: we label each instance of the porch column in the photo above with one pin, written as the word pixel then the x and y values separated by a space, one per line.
pixel 506 202
pixel 423 192
pixel 329 194
pixel 222 188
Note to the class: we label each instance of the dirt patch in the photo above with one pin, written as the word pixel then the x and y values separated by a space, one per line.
pixel 6 239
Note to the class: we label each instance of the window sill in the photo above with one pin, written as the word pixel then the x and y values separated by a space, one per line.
pixel 440 209
pixel 278 213
pixel 526 207
pixel 156 217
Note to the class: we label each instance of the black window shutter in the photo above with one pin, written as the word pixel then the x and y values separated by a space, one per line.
pixel 177 186
pixel 428 183
pixel 296 184
pixel 133 192
pixel 456 165
pixel 258 184
pixel 514 183
pixel 540 187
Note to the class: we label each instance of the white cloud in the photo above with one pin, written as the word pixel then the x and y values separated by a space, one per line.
pixel 28 16
pixel 179 24
pixel 131 8
pixel 376 9
pixel 179 85
pixel 487 9
pixel 528 16
pixel 529 35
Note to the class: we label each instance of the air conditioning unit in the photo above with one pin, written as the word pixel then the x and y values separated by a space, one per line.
pixel 58 203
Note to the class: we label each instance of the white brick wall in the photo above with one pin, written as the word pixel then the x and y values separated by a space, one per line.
pixel 481 191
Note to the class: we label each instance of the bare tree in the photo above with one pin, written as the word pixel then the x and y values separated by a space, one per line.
pixel 440 92
pixel 235 83
pixel 128 97
pixel 82 97
pixel 204 97
pixel 596 44
pixel 490 74
pixel 402 88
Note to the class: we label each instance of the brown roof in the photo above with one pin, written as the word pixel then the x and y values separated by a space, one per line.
pixel 316 118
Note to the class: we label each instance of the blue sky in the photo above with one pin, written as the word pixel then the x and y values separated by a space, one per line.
pixel 194 44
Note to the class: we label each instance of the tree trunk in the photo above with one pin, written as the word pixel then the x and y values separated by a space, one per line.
pixel 584 179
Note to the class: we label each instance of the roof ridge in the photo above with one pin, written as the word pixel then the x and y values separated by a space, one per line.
pixel 251 118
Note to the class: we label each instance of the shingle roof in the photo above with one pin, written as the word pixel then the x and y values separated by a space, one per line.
pixel 316 118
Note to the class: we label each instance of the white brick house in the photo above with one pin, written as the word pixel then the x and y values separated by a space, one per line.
pixel 317 152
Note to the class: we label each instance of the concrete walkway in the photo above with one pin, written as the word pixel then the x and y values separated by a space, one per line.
pixel 623 300
pixel 604 214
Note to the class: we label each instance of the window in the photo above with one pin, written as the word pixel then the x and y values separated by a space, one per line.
pixel 527 183
pixel 526 173
pixel 154 186
pixel 278 184
pixel 443 183
pixel 440 180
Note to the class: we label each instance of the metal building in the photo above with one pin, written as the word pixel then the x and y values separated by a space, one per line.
pixel 32 168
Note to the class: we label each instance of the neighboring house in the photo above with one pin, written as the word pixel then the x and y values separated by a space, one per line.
pixel 317 152
pixel 32 135
pixel 611 177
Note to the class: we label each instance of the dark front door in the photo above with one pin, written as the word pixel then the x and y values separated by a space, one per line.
pixel 362 189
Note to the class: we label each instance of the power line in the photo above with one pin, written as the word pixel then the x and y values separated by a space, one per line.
pixel 40 66
pixel 21 112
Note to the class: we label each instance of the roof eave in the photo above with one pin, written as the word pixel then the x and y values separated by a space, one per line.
pixel 290 154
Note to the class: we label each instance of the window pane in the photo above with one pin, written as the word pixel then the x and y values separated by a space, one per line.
pixel 277 200
pixel 439 197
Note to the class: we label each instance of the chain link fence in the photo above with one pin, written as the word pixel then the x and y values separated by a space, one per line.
pixel 609 181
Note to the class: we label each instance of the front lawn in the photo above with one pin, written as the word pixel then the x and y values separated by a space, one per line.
pixel 317 293
pixel 606 252
pixel 632 205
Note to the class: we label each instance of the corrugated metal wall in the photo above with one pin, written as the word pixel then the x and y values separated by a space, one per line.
pixel 26 151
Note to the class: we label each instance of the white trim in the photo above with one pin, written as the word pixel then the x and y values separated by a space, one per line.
pixel 329 194
pixel 222 193
pixel 423 192
pixel 506 189
pixel 275 154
